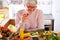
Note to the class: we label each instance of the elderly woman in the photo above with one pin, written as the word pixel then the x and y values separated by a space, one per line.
pixel 31 19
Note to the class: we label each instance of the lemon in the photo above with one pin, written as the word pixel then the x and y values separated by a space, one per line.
pixel 2 16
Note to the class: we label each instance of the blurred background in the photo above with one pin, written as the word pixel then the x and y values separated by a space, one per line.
pixel 50 8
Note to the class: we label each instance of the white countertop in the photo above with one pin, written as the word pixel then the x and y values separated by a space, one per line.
pixel 5 21
pixel 48 16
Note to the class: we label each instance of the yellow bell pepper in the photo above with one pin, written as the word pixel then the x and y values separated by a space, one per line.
pixel 26 34
pixel 22 34
pixel 49 33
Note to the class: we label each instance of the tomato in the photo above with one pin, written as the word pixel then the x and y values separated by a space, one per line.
pixel 41 35
pixel 4 35
pixel 46 39
pixel 9 31
pixel 4 28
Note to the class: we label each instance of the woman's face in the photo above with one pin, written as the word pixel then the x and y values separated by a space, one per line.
pixel 31 7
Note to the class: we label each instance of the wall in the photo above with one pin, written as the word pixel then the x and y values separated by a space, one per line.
pixel 56 14
pixel 44 5
pixel 14 8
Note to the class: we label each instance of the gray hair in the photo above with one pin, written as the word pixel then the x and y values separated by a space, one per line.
pixel 30 1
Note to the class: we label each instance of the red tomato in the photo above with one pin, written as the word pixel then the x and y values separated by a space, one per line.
pixel 46 39
pixel 4 28
pixel 9 31
pixel 41 35
pixel 4 35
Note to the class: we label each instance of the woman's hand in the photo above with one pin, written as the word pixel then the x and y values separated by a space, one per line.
pixel 32 30
pixel 25 16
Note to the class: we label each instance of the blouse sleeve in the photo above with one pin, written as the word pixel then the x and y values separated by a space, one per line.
pixel 40 20
pixel 17 19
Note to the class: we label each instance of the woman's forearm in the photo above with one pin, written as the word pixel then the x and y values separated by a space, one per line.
pixel 32 29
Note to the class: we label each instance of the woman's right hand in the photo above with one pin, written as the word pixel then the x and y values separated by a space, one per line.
pixel 25 16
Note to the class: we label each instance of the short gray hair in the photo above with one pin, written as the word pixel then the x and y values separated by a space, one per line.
pixel 30 1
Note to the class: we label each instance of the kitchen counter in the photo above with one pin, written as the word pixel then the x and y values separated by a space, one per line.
pixel 48 16
pixel 16 38
pixel 5 21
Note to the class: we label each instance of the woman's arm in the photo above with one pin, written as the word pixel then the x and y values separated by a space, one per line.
pixel 31 30
pixel 18 20
pixel 40 20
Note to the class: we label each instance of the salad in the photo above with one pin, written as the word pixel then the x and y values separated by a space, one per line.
pixel 46 35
